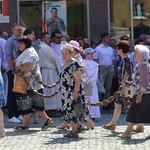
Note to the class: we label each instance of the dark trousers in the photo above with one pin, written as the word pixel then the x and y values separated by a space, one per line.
pixel 11 100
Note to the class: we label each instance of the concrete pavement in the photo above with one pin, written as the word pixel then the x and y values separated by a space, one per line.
pixel 52 138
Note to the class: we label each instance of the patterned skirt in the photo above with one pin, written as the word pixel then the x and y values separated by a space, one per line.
pixel 26 103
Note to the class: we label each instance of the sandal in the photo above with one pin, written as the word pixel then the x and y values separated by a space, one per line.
pixel 71 135
pixel 138 129
pixel 23 128
pixel 81 129
pixel 109 127
pixel 63 126
pixel 47 124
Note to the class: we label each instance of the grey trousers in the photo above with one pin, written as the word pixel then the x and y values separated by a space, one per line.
pixel 107 73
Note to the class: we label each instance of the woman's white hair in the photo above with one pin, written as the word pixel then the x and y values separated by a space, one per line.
pixel 143 50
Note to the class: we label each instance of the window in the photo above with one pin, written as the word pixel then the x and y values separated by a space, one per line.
pixel 139 11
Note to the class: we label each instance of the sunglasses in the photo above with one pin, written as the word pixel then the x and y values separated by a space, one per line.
pixel 58 37
pixel 19 30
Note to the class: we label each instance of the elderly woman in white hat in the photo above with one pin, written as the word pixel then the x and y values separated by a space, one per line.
pixel 77 57
pixel 76 52
pixel 91 75
pixel 140 108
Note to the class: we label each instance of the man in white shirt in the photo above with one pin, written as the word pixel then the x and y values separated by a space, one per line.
pixel 56 45
pixel 50 69
pixel 104 56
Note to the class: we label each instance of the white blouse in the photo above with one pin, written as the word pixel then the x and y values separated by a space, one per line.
pixel 30 55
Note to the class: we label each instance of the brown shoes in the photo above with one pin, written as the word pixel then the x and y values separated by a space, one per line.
pixel 109 127
pixel 138 129
pixel 63 126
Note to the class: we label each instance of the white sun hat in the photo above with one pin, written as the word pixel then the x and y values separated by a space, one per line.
pixel 75 44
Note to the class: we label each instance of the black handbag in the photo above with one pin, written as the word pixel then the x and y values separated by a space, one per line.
pixel 78 107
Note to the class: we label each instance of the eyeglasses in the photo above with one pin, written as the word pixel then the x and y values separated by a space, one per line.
pixel 58 37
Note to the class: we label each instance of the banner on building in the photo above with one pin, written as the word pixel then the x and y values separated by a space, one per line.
pixel 4 18
pixel 54 17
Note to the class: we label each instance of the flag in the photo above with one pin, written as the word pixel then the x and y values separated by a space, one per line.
pixel 44 26
pixel 5 7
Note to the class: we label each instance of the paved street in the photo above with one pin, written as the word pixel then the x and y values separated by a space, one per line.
pixel 52 138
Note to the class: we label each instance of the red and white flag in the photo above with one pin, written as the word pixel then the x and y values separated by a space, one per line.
pixel 44 26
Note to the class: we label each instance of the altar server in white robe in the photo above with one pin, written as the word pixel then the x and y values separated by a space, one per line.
pixel 50 69
pixel 91 74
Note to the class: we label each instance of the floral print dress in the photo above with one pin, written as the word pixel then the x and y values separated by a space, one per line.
pixel 126 65
pixel 2 100
pixel 68 82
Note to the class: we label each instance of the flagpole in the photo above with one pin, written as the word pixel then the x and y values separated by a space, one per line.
pixel 131 16
pixel 44 15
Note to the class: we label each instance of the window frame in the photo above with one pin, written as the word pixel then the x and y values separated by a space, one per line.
pixel 142 9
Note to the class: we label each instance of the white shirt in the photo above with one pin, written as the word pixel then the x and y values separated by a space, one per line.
pixel 104 54
pixel 57 50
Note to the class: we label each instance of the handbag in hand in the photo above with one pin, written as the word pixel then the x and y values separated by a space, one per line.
pixel 20 85
pixel 78 107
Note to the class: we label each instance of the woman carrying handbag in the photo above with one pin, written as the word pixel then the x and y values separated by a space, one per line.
pixel 27 64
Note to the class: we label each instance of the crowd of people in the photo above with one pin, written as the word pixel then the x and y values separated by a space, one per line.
pixel 54 61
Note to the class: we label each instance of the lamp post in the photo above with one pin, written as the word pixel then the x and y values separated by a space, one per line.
pixel 131 16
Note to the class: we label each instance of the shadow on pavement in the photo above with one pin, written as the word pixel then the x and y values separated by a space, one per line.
pixel 133 141
pixel 20 132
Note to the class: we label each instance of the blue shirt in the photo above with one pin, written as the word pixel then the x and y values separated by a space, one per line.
pixel 11 48
pixel 104 54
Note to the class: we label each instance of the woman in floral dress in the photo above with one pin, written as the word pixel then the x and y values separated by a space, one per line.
pixel 2 104
pixel 71 77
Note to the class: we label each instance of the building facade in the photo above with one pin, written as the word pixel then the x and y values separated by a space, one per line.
pixel 84 18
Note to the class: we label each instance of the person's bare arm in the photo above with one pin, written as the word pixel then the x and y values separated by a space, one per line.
pixel 78 77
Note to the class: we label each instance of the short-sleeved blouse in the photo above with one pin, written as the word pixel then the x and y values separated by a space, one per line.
pixel 30 55
pixel 126 65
